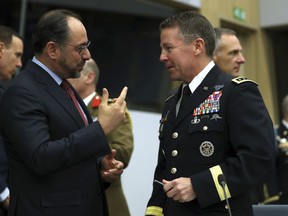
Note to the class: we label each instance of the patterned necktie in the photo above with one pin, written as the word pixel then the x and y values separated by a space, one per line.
pixel 184 99
pixel 66 86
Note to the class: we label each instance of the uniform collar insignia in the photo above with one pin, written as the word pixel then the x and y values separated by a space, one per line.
pixel 218 87
pixel 96 101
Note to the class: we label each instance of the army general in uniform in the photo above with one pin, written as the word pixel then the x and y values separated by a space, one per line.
pixel 215 137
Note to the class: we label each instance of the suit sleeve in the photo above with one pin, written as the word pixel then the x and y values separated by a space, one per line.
pixel 251 139
pixel 33 118
pixel 3 167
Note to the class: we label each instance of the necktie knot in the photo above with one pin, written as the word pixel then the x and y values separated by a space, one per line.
pixel 65 85
pixel 186 91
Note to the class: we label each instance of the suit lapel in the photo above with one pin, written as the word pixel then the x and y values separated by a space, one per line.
pixel 200 94
pixel 58 93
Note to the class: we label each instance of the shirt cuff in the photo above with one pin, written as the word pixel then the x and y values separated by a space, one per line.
pixel 4 194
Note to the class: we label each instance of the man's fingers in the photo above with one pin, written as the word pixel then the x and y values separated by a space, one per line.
pixel 123 94
pixel 105 96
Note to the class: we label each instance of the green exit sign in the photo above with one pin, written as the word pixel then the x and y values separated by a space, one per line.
pixel 239 14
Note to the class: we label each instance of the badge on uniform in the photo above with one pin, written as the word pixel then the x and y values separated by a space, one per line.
pixel 210 105
pixel 196 120
pixel 215 117
pixel 206 149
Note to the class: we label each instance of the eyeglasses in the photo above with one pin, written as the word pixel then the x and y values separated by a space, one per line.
pixel 80 49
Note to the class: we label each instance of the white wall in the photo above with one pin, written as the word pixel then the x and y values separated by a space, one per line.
pixel 137 178
pixel 273 13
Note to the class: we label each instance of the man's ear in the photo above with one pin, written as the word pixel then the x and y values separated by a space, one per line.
pixel 199 45
pixel 52 49
pixel 91 76
pixel 2 47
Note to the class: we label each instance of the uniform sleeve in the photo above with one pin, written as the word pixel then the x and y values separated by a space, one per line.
pixel 156 203
pixel 121 139
pixel 251 140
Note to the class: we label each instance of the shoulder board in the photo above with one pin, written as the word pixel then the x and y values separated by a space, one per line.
pixel 239 80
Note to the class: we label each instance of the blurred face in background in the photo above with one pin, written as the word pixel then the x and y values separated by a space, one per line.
pixel 229 56
pixel 10 58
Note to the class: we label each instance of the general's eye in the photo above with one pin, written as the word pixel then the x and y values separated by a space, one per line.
pixel 168 48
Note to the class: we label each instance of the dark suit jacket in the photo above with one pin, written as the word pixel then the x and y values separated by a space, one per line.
pixel 225 126
pixel 53 157
pixel 3 164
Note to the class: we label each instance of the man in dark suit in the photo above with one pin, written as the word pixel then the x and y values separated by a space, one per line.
pixel 121 138
pixel 217 140
pixel 11 50
pixel 59 158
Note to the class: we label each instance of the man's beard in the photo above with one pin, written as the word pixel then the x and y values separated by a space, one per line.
pixel 72 73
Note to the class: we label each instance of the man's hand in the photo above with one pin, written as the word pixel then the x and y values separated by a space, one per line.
pixel 179 189
pixel 111 115
pixel 111 169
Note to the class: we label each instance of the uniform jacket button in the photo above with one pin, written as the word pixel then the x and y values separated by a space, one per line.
pixel 173 170
pixel 174 153
pixel 175 135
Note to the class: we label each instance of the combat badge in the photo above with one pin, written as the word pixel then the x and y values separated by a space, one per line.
pixel 206 149
pixel 196 120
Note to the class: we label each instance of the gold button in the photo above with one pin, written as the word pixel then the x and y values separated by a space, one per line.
pixel 174 153
pixel 173 170
pixel 175 135
pixel 205 128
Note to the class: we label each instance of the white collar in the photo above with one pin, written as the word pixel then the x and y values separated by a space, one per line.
pixel 89 98
pixel 200 77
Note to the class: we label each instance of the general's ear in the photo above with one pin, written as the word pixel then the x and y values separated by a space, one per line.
pixel 199 45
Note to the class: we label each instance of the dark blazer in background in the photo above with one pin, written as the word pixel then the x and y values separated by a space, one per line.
pixel 3 164
pixel 54 157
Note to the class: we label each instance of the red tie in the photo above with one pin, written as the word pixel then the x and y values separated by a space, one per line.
pixel 71 94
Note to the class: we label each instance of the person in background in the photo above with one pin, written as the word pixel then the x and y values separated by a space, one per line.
pixel 11 51
pixel 120 138
pixel 60 160
pixel 216 138
pixel 228 57
pixel 228 51
pixel 282 156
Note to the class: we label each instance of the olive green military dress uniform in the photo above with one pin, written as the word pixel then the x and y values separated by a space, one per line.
pixel 120 139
